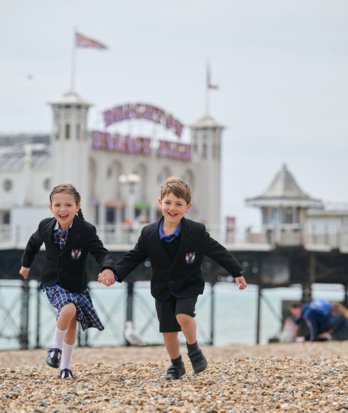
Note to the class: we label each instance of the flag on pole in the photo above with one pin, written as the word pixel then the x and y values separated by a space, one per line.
pixel 83 41
pixel 209 84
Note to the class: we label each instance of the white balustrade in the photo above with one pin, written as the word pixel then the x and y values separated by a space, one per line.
pixel 124 234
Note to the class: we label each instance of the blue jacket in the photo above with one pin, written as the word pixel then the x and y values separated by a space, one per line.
pixel 317 316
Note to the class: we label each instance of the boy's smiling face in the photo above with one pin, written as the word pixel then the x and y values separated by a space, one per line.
pixel 173 208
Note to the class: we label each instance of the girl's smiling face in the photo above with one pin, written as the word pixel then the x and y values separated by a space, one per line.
pixel 64 208
pixel 173 208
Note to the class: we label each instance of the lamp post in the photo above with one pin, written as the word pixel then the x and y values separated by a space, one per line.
pixel 130 180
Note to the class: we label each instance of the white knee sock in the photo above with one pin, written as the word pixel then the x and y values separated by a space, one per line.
pixel 66 355
pixel 58 338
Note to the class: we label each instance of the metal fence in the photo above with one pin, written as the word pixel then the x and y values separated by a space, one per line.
pixel 27 320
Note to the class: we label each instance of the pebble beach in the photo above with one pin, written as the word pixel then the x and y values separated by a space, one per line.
pixel 296 377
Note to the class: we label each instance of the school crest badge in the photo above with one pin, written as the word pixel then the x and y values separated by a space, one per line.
pixel 75 254
pixel 190 257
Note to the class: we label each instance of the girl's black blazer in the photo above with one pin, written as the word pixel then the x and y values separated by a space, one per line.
pixel 67 266
pixel 181 277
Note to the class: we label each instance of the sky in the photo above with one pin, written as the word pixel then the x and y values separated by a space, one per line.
pixel 281 67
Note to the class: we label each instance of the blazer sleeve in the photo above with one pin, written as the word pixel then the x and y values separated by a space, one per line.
pixel 131 259
pixel 221 255
pixel 99 252
pixel 32 248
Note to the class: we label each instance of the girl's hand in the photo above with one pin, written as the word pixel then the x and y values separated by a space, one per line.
pixel 107 277
pixel 24 272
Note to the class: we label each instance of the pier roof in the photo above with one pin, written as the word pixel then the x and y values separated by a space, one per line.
pixel 206 121
pixel 70 98
pixel 15 157
pixel 284 190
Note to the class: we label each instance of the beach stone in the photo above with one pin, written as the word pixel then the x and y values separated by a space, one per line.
pixel 298 377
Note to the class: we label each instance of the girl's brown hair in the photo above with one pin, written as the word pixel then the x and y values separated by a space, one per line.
pixel 68 189
pixel 176 186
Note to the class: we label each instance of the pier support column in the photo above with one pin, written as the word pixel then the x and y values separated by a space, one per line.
pixel 308 284
pixel 258 315
pixel 212 314
pixel 38 316
pixel 129 304
pixel 24 316
pixel 130 301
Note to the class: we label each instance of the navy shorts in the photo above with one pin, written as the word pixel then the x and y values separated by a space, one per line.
pixel 167 311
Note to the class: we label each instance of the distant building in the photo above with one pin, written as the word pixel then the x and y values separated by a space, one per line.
pixel 328 226
pixel 118 169
pixel 25 171
pixel 284 208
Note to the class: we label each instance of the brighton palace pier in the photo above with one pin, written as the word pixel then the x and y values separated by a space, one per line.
pixel 118 171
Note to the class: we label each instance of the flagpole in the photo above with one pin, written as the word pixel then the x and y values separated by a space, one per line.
pixel 73 64
pixel 207 101
pixel 207 89
pixel 209 85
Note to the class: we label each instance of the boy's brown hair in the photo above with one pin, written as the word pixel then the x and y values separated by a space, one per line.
pixel 176 186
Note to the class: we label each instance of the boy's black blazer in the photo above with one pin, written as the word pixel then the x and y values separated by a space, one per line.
pixel 68 266
pixel 181 277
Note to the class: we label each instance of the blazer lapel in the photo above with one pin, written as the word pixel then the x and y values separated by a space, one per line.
pixel 186 239
pixel 156 243
pixel 48 231
pixel 73 234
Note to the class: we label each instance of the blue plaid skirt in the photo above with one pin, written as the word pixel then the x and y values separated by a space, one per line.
pixel 86 314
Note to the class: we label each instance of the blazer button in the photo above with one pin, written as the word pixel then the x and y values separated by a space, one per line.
pixel 172 282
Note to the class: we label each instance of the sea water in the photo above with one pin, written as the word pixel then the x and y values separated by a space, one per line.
pixel 234 321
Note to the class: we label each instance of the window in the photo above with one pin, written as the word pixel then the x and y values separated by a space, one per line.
pixel 47 184
pixel 274 216
pixel 204 151
pixel 78 131
pixel 7 185
pixel 67 131
pixel 288 215
pixel 110 215
pixel 6 217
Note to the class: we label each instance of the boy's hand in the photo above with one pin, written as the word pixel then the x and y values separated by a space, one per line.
pixel 107 277
pixel 241 283
pixel 24 272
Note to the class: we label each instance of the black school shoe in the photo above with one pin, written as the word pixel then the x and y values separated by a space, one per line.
pixel 175 372
pixel 66 374
pixel 198 361
pixel 53 357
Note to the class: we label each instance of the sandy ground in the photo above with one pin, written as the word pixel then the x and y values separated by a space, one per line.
pixel 301 377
